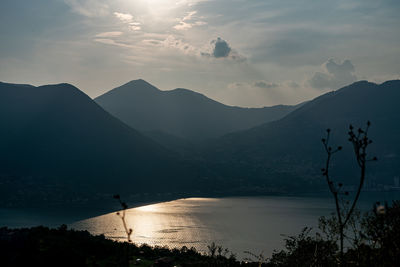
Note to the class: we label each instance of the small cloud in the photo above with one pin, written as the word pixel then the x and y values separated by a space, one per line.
pixel 189 21
pixel 262 93
pixel 334 75
pixel 111 42
pixel 109 34
pixel 257 85
pixel 124 17
pixel 221 48
pixel 182 26
pixel 189 16
pixel 152 42
pixel 128 19
pixel 89 8
pixel 265 85
pixel 173 42
pixel 135 28
pixel 236 85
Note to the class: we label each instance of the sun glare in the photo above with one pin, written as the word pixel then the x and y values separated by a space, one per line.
pixel 148 208
pixel 160 7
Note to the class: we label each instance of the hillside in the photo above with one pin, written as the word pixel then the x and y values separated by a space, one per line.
pixel 181 112
pixel 57 143
pixel 59 146
pixel 291 148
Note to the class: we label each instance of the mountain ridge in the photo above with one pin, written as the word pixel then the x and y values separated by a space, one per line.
pixel 182 112
pixel 292 145
pixel 59 141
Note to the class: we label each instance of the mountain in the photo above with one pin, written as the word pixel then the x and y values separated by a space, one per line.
pixel 55 139
pixel 181 112
pixel 59 146
pixel 290 150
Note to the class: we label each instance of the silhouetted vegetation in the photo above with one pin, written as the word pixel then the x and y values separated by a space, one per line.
pixel 121 214
pixel 360 142
pixel 41 246
pixel 371 239
pixel 377 242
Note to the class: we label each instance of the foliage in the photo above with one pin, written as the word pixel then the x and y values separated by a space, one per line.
pixel 378 241
pixel 306 250
pixel 255 258
pixel 41 246
pixel 372 238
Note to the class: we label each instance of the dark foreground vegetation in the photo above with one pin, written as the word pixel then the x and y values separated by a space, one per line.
pixel 372 240
pixel 41 246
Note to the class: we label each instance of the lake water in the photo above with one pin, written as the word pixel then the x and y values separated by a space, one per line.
pixel 240 224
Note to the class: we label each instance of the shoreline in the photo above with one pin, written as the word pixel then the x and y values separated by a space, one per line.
pixel 54 216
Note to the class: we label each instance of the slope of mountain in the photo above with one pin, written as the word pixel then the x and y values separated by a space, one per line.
pixel 291 147
pixel 56 144
pixel 55 136
pixel 181 112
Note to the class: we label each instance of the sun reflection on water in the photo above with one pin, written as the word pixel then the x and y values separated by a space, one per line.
pixel 240 224
pixel 172 224
pixel 149 208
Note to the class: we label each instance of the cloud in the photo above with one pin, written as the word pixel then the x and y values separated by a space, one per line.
pixel 334 75
pixel 189 21
pixel 263 93
pixel 128 19
pixel 109 34
pixel 262 84
pixel 173 42
pixel 265 85
pixel 89 8
pixel 124 17
pixel 221 48
pixel 112 42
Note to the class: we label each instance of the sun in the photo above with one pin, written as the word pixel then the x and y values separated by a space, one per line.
pixel 162 4
pixel 155 7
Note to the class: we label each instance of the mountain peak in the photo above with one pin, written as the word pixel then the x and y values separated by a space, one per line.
pixel 181 112
pixel 62 86
pixel 139 83
pixel 129 89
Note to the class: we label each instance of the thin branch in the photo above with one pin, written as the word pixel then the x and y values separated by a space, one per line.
pixel 124 206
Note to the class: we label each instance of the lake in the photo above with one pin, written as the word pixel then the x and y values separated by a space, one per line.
pixel 240 224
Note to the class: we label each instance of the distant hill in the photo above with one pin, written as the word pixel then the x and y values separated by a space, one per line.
pixel 59 146
pixel 291 148
pixel 181 112
pixel 54 138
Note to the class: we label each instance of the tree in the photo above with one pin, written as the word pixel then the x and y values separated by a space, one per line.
pixel 360 143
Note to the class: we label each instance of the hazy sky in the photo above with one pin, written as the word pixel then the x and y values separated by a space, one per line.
pixel 247 53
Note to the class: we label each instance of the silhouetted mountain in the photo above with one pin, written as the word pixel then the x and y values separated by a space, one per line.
pixel 56 144
pixel 55 137
pixel 181 112
pixel 291 148
pixel 182 146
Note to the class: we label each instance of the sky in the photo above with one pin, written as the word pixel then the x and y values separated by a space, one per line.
pixel 250 53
